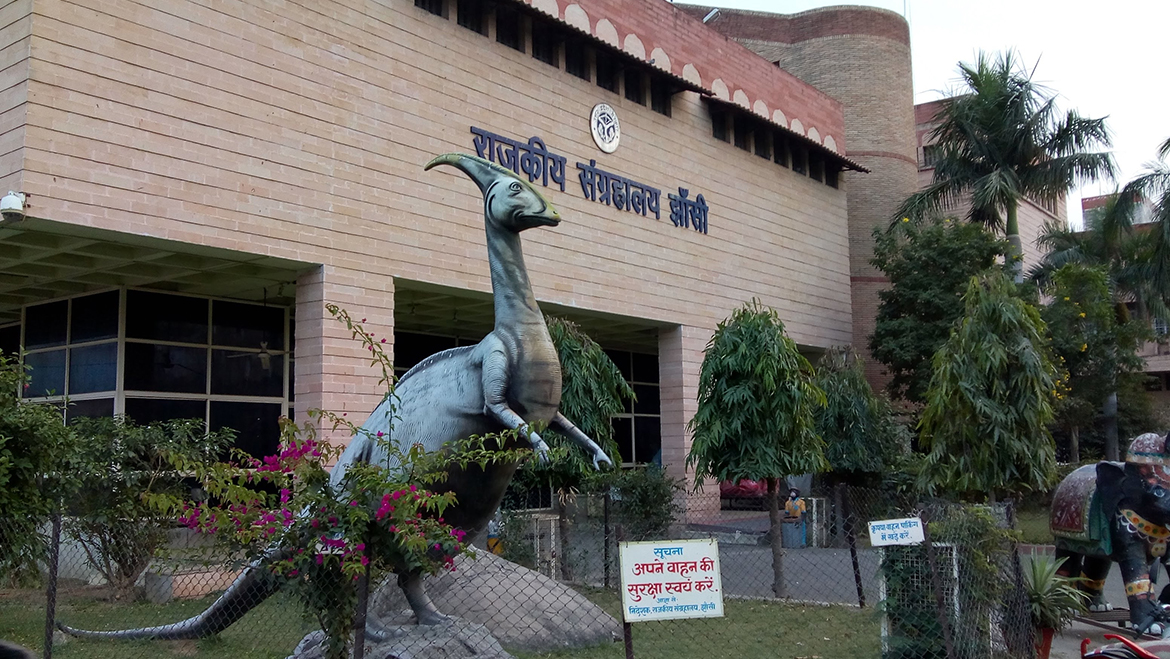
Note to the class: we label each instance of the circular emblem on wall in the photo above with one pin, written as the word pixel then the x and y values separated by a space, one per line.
pixel 603 123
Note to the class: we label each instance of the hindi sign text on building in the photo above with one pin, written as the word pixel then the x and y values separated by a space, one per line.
pixel 670 580
pixel 906 531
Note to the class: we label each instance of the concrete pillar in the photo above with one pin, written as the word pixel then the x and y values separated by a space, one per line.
pixel 680 355
pixel 333 370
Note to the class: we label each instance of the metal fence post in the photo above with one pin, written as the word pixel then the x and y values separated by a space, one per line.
pixel 605 538
pixel 846 511
pixel 51 588
pixel 940 601
pixel 1019 634
pixel 360 612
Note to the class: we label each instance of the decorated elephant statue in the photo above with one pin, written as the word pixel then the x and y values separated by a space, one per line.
pixel 1119 512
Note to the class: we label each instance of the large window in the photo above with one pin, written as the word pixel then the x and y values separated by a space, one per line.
pixel 156 356
pixel 638 431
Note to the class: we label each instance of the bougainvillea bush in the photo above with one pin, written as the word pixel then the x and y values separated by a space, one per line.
pixel 320 538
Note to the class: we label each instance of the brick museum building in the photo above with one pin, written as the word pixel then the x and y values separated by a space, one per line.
pixel 200 179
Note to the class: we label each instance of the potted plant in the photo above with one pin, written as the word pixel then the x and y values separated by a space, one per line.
pixel 1053 600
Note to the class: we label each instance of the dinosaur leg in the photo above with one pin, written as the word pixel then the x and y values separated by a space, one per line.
pixel 424 609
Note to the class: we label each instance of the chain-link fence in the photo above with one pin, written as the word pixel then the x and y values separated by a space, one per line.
pixel 552 587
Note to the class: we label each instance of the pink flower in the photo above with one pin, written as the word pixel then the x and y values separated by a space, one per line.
pixel 413 488
pixel 383 340
pixel 320 559
pixel 293 573
pixel 315 523
pixel 379 433
pixel 361 546
pixel 353 503
pixel 365 560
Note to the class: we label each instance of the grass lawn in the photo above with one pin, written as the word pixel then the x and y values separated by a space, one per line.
pixel 1033 526
pixel 748 629
pixel 272 630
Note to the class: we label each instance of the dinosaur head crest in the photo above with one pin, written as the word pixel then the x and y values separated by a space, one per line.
pixel 510 202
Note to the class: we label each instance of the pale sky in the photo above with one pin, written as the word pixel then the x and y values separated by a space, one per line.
pixel 1101 58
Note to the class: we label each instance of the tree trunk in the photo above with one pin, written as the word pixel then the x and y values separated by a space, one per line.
pixel 1012 231
pixel 774 539
pixel 1109 412
pixel 1074 444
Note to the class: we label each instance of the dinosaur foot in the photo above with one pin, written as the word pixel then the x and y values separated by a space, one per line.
pixel 432 617
pixel 1100 607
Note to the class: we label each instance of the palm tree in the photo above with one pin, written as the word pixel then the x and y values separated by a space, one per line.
pixel 1002 139
pixel 1137 261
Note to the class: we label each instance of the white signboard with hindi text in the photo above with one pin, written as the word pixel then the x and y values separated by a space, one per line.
pixel 671 580
pixel 885 532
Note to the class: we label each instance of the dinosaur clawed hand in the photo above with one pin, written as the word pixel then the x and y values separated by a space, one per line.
pixel 540 448
pixel 599 456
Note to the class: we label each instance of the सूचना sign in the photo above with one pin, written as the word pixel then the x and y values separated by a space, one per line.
pixel 907 531
pixel 671 580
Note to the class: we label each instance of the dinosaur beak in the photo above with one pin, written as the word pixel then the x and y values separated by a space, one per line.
pixel 477 169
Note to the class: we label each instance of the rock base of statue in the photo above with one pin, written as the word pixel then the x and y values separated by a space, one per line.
pixel 523 609
pixel 453 640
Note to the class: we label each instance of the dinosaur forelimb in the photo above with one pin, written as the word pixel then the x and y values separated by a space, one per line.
pixel 574 433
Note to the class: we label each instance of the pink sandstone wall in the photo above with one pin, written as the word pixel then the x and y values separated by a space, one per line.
pixel 300 131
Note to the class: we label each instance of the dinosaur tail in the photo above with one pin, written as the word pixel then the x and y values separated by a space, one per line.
pixel 251 588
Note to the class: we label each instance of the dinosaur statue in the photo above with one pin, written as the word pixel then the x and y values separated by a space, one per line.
pixel 509 380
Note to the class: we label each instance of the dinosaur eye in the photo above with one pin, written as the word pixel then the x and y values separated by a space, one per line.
pixel 515 187
pixel 1159 491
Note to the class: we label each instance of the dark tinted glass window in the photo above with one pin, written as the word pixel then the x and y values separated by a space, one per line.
pixel 471 16
pixel 763 143
pixel 91 409
pixel 433 6
pixel 780 149
pixel 411 348
pixel 622 360
pixel 648 433
pixel 93 368
pixel 660 96
pixel 647 402
pixel 166 368
pixel 166 317
pixel 719 126
pixel 623 435
pixel 45 325
pixel 508 30
pixel 47 375
pixel 743 133
pixel 577 60
pixel 799 159
pixel 607 72
pixel 832 176
pixel 645 368
pixel 247 325
pixel 94 317
pixel 152 410
pixel 256 425
pixel 10 339
pixel 292 373
pixel 545 43
pixel 246 373
pixel 816 167
pixel 635 90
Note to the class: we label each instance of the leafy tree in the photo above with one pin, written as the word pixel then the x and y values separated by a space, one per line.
pixel 1001 139
pixel 985 424
pixel 859 430
pixel 929 265
pixel 36 474
pixel 862 437
pixel 756 416
pixel 118 466
pixel 1095 346
pixel 592 391
pixel 1152 187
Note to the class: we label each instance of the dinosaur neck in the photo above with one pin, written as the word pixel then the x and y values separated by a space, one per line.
pixel 511 289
